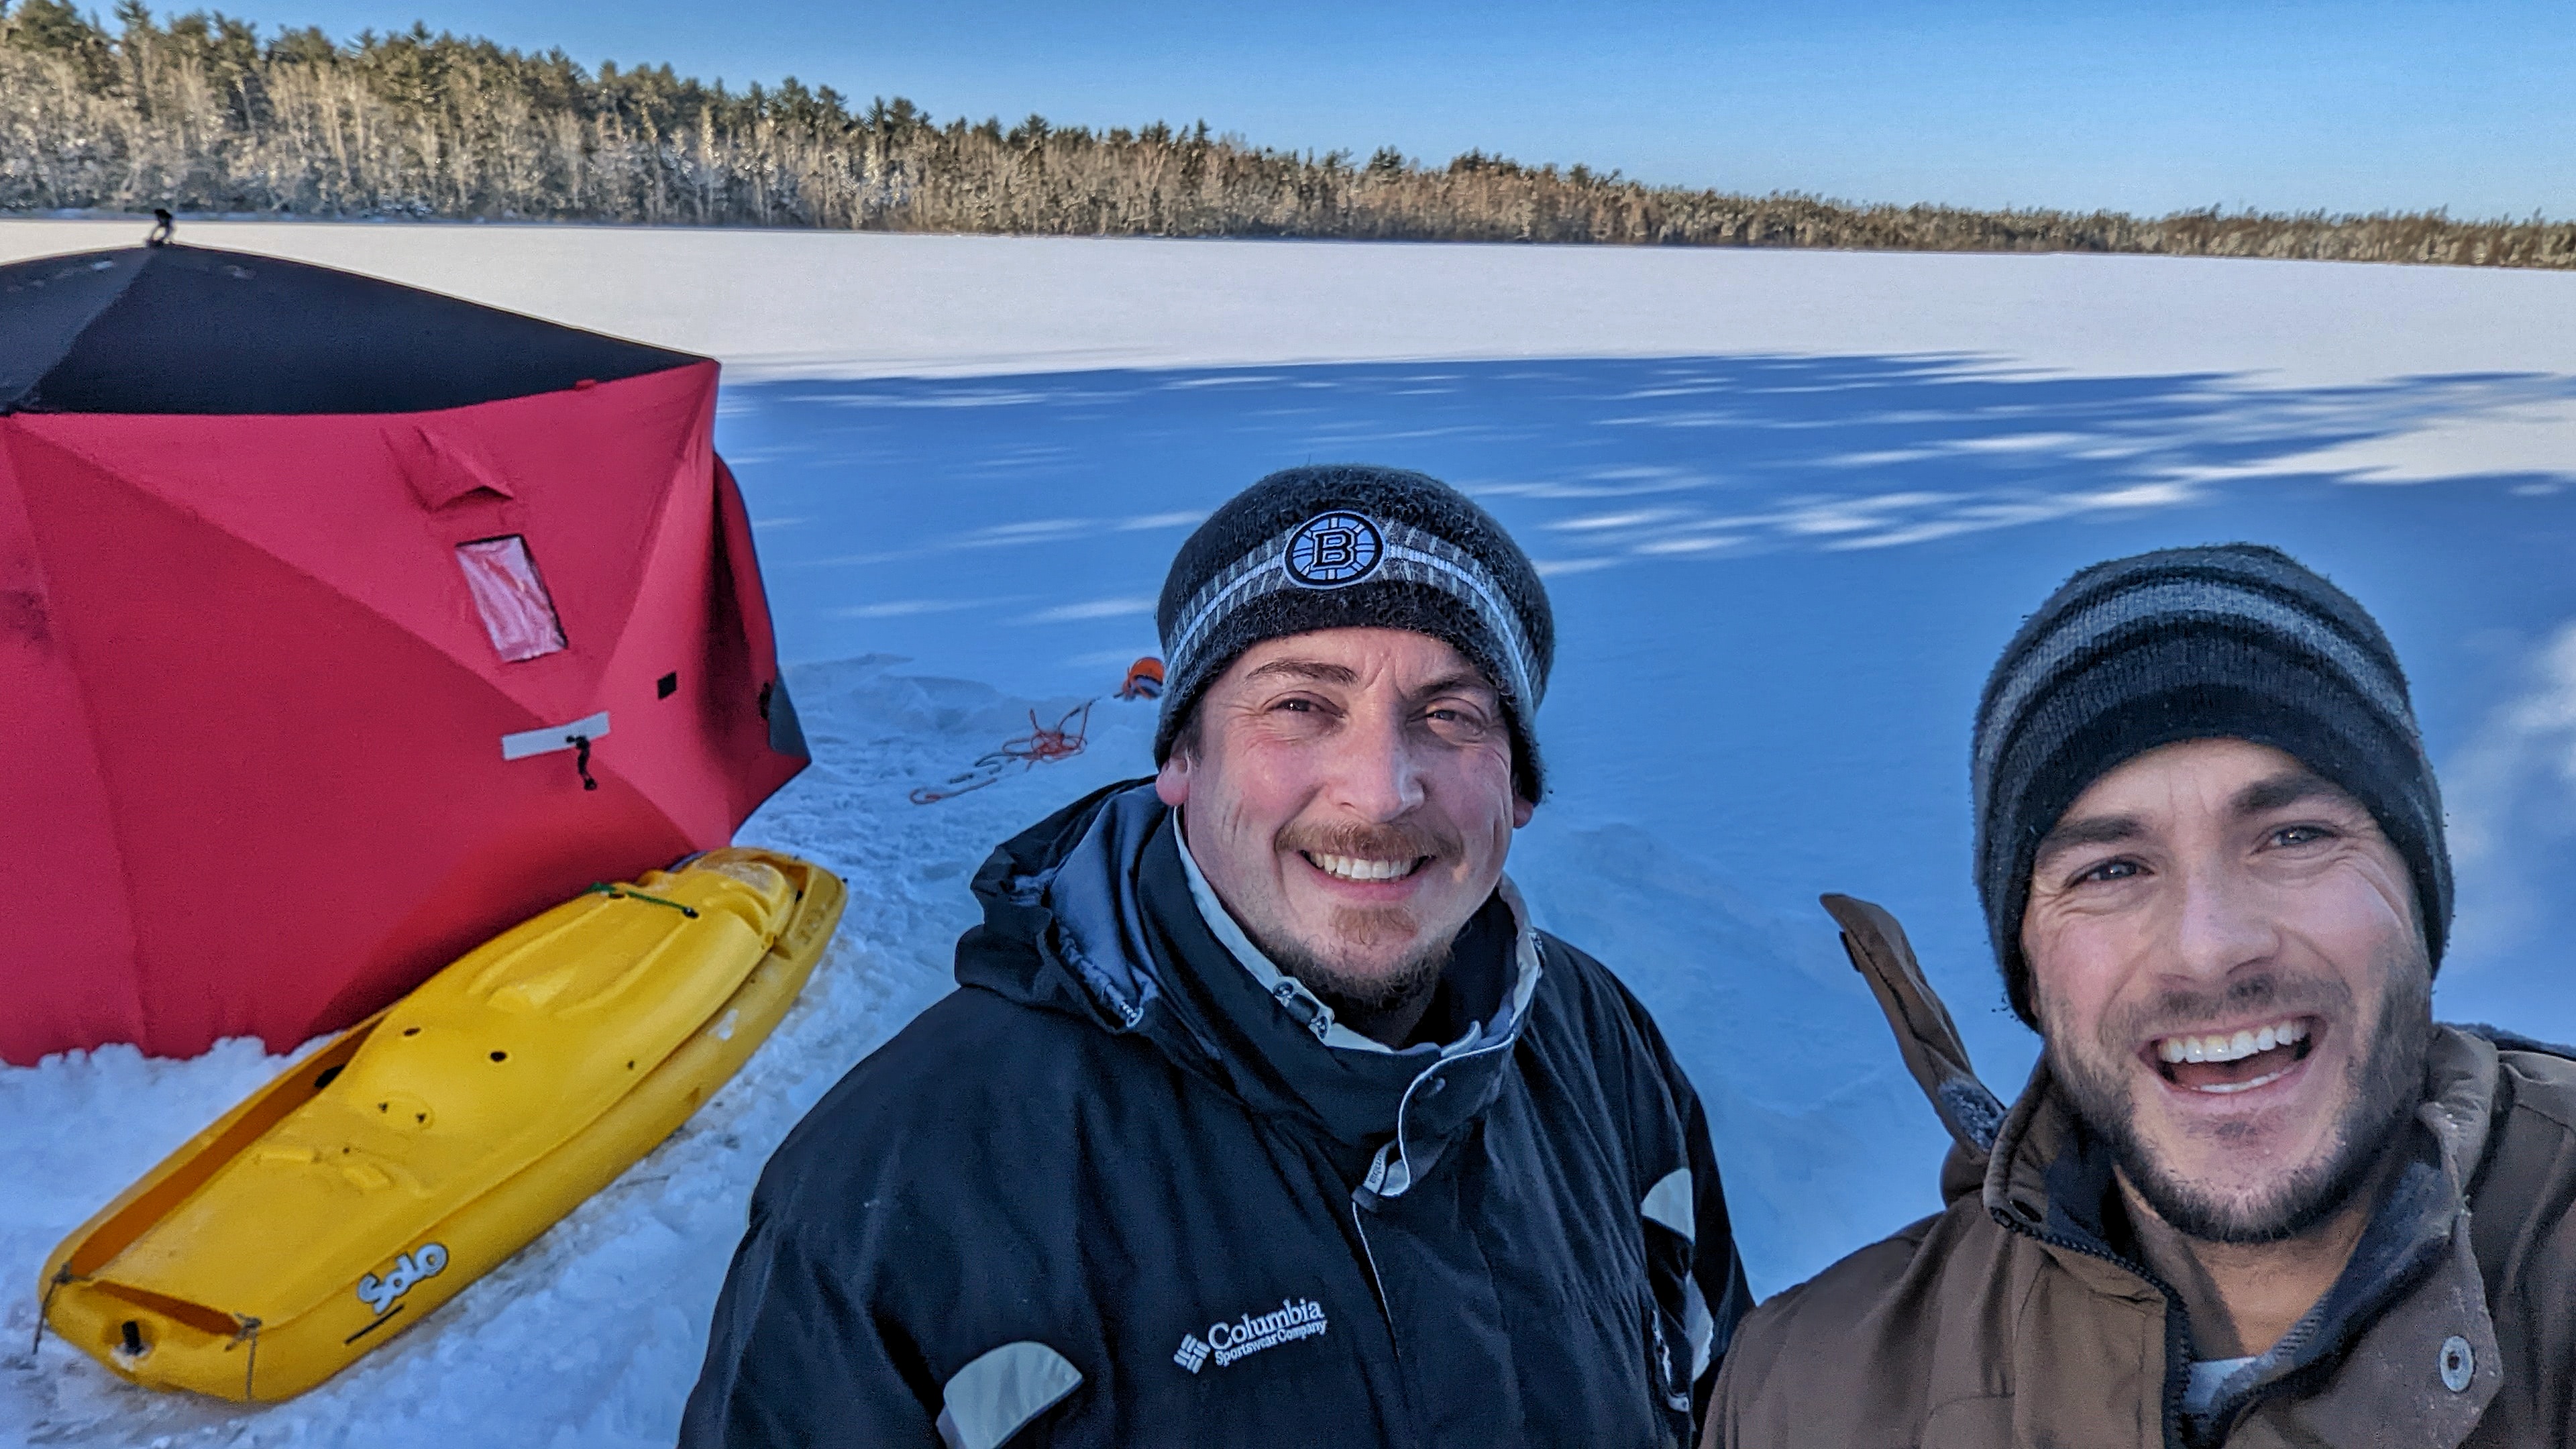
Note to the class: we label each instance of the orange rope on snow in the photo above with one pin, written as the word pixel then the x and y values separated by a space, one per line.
pixel 1062 740
pixel 1055 742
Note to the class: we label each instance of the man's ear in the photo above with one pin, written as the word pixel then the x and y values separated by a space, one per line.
pixel 1522 810
pixel 1172 782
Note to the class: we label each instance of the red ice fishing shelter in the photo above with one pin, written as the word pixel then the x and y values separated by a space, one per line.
pixel 342 626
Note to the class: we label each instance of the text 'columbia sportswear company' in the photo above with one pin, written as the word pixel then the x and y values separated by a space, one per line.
pixel 1249 1335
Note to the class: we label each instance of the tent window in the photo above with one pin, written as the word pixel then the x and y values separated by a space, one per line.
pixel 517 611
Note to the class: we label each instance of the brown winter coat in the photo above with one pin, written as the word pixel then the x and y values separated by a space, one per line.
pixel 2008 1319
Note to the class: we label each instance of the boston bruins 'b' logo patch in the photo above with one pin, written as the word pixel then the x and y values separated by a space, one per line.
pixel 1334 549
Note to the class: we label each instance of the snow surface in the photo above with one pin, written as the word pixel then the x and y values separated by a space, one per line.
pixel 1790 505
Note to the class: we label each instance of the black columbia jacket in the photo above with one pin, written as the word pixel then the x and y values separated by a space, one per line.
pixel 1112 1192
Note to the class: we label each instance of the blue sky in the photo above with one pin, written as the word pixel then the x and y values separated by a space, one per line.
pixel 2282 104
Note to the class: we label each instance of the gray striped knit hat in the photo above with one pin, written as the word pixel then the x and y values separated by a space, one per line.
pixel 2236 641
pixel 1349 546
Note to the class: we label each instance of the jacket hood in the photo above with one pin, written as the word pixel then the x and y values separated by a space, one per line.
pixel 1058 897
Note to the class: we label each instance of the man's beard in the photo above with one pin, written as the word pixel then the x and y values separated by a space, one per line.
pixel 1359 1001
pixel 2384 1082
pixel 1360 996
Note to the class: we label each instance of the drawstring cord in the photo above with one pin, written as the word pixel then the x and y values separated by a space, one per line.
pixel 62 1276
pixel 581 761
pixel 249 1330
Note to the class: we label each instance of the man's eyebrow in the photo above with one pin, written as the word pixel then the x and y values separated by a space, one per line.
pixel 1309 669
pixel 2089 830
pixel 2285 789
pixel 1465 681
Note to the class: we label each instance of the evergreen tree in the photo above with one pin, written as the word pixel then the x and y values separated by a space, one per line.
pixel 201 113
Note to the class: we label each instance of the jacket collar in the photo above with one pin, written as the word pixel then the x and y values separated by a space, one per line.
pixel 2411 1288
pixel 1519 977
pixel 2408 1314
pixel 1103 893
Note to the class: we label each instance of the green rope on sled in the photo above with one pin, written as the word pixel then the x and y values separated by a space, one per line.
pixel 623 893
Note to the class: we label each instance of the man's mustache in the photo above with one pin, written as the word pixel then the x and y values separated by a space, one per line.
pixel 1394 840
pixel 2174 1013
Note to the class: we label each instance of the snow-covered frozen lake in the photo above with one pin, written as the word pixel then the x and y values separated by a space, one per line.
pixel 1790 505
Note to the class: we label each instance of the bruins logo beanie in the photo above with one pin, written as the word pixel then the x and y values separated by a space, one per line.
pixel 1357 547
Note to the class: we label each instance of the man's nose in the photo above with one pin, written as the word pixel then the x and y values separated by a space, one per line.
pixel 2221 923
pixel 1375 773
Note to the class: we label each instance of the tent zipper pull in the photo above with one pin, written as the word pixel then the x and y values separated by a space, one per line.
pixel 581 761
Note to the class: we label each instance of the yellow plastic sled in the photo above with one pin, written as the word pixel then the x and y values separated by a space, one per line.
pixel 350 1197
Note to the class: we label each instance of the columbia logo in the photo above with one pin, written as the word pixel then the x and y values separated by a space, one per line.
pixel 1250 1334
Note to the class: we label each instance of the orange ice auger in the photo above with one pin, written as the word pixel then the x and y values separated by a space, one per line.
pixel 1144 679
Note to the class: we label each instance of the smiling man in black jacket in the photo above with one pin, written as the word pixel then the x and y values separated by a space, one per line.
pixel 1262 1114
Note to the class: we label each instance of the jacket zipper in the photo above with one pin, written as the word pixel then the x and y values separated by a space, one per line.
pixel 1377 1285
pixel 2177 1329
pixel 1431 1074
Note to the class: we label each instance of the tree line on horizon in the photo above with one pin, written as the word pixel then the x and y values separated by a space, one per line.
pixel 202 114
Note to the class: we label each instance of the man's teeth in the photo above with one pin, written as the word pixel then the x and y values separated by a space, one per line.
pixel 2221 1047
pixel 2264 1080
pixel 1352 867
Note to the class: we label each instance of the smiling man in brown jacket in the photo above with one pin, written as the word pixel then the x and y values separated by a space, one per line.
pixel 2253 1194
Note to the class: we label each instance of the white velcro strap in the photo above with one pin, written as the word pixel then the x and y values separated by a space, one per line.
pixel 1697 1323
pixel 991 1398
pixel 1669 1202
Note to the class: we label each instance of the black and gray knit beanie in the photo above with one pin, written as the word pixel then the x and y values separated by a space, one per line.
pixel 1349 546
pixel 2236 641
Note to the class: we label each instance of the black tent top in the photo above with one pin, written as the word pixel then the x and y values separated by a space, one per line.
pixel 178 329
